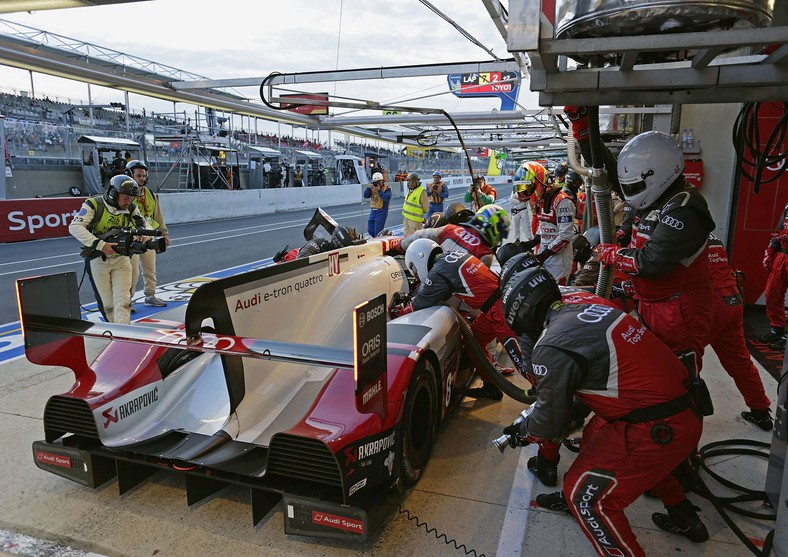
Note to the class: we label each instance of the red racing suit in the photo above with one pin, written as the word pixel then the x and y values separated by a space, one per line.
pixel 667 259
pixel 644 423
pixel 727 332
pixel 776 262
pixel 463 275
pixel 453 237
pixel 555 213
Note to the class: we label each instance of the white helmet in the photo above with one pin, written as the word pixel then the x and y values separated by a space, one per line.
pixel 377 177
pixel 647 165
pixel 420 256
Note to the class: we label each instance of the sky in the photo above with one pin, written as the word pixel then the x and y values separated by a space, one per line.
pixel 252 38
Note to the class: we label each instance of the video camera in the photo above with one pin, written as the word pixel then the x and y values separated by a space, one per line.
pixel 128 242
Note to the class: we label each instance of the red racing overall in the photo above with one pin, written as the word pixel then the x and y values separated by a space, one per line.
pixel 453 237
pixel 776 263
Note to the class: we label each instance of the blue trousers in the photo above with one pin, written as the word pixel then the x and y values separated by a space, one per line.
pixel 434 208
pixel 377 221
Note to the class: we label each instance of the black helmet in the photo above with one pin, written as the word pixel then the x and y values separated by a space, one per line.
pixel 120 184
pixel 526 298
pixel 573 176
pixel 561 169
pixel 131 165
pixel 519 262
pixel 456 213
pixel 343 236
pixel 581 249
pixel 313 247
pixel 435 220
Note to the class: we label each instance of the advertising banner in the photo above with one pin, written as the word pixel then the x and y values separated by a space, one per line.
pixel 317 109
pixel 32 219
pixel 504 85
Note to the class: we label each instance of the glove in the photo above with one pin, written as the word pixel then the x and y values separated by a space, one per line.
pixel 278 256
pixel 623 289
pixel 621 238
pixel 768 259
pixel 531 244
pixel 513 431
pixel 607 254
pixel 399 311
pixel 544 255
pixel 578 115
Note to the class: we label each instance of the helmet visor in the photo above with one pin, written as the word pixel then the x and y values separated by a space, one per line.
pixel 634 188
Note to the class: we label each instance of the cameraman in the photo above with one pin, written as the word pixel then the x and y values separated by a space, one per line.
pixel 379 196
pixel 109 273
pixel 476 197
pixel 438 192
pixel 150 208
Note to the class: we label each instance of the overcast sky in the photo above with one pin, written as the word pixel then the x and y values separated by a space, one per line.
pixel 251 38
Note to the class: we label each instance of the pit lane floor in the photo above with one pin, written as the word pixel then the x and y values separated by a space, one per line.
pixel 470 493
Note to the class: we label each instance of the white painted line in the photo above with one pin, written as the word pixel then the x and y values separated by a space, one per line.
pixel 515 524
pixel 19 544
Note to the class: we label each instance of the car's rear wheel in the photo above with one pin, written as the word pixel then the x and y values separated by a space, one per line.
pixel 418 422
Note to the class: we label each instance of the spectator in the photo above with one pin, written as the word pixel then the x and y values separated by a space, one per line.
pixel 298 178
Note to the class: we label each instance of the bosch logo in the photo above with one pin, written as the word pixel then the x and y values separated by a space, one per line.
pixel 467 237
pixel 673 222
pixel 594 313
pixel 539 370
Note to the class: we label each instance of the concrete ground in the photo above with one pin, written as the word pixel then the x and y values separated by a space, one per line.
pixel 470 493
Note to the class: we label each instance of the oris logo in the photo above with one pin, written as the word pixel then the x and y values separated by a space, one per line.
pixel 539 370
pixel 673 222
pixel 594 313
pixel 467 237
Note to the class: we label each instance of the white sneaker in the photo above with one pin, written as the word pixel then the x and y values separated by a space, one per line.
pixel 155 302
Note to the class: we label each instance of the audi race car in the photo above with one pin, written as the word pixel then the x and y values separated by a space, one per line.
pixel 291 380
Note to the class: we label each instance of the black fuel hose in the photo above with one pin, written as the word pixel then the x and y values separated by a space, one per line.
pixel 479 357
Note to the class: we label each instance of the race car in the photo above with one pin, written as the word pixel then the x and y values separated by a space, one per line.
pixel 292 380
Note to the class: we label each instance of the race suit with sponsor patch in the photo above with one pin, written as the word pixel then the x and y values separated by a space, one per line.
pixel 453 237
pixel 777 283
pixel 644 424
pixel 555 213
pixel 463 275
pixel 667 258
pixel 727 332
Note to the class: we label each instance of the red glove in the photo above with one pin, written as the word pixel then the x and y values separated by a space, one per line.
pixel 623 289
pixel 578 115
pixel 399 311
pixel 621 238
pixel 607 254
pixel 768 259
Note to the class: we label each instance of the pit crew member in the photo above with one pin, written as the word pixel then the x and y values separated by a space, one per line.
pixel 644 423
pixel 775 261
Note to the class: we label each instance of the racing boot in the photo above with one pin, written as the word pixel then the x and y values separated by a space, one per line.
pixel 554 501
pixel 546 470
pixel 774 334
pixel 487 390
pixel 505 371
pixel 761 418
pixel 682 519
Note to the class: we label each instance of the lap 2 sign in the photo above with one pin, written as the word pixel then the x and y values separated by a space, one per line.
pixel 369 335
pixel 505 85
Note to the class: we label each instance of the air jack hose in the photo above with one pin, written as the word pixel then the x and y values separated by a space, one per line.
pixel 600 189
pixel 479 357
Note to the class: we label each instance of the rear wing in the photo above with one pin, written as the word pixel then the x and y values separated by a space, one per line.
pixel 54 336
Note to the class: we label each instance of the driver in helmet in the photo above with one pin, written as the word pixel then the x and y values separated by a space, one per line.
pixel 458 273
pixel 644 422
pixel 437 192
pixel 480 236
pixel 109 274
pixel 555 213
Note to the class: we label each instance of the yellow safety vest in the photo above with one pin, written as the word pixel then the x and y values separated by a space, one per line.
pixel 412 209
pixel 103 220
pixel 147 204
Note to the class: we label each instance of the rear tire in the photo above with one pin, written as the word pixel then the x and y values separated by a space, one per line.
pixel 419 417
